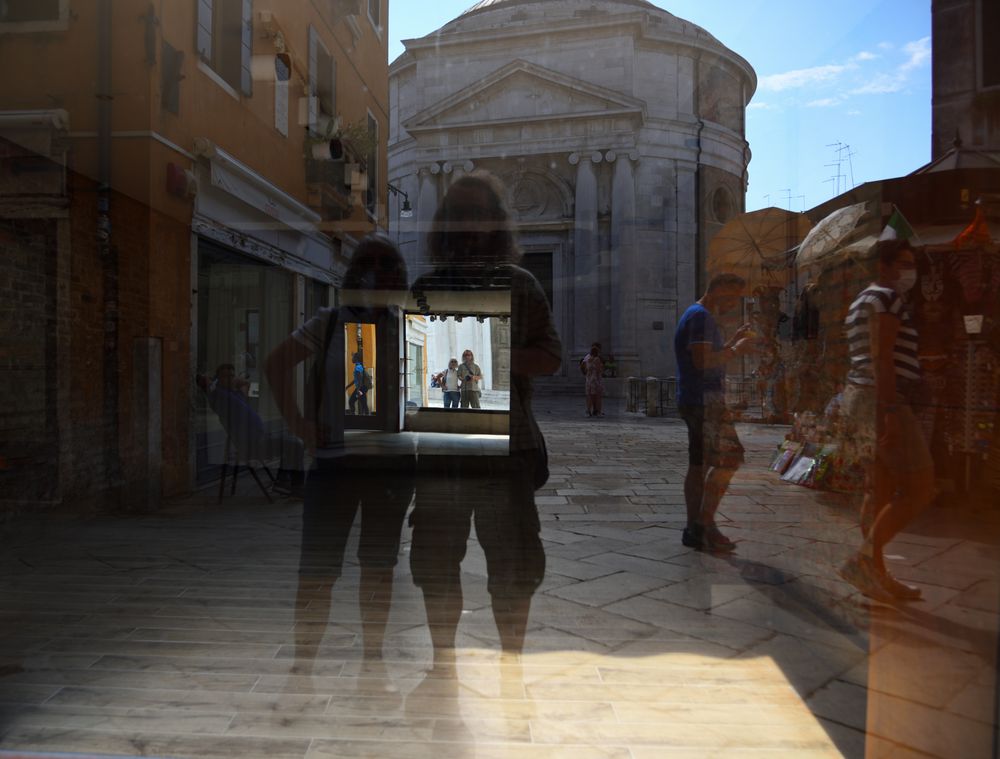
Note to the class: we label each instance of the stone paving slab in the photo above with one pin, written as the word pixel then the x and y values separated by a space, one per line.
pixel 190 633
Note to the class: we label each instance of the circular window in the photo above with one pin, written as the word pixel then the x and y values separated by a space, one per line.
pixel 722 205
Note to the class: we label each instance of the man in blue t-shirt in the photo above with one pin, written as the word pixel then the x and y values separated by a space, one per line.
pixel 714 449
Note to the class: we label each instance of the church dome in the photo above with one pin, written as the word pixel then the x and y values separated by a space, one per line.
pixel 488 4
pixel 510 15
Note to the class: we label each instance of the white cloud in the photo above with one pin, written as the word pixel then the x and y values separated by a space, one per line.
pixel 885 46
pixel 919 52
pixel 824 103
pixel 762 107
pixel 864 55
pixel 802 77
pixel 854 113
pixel 881 84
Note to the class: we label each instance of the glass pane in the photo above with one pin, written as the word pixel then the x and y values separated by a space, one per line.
pixel 360 367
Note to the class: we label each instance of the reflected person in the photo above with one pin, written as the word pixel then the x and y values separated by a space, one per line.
pixel 472 245
pixel 714 448
pixel 881 429
pixel 343 482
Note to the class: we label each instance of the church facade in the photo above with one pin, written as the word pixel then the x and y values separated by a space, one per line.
pixel 618 130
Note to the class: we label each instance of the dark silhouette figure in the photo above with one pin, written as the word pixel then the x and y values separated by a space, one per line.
pixel 344 482
pixel 472 246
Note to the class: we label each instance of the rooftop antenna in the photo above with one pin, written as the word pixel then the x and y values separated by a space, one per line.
pixel 846 152
pixel 802 198
pixel 788 197
pixel 837 161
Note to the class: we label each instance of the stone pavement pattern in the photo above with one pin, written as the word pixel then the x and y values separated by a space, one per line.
pixel 175 635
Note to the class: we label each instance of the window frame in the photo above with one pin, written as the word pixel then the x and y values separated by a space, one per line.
pixel 981 86
pixel 373 168
pixel 375 22
pixel 31 27
pixel 212 64
pixel 316 110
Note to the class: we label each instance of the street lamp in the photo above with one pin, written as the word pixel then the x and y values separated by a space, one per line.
pixel 406 212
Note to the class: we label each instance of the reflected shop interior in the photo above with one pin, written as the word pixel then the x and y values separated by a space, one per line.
pixel 454 392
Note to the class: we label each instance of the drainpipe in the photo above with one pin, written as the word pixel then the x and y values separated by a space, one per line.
pixel 108 255
pixel 698 269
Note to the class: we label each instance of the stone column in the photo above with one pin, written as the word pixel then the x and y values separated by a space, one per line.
pixel 427 203
pixel 455 170
pixel 624 287
pixel 586 254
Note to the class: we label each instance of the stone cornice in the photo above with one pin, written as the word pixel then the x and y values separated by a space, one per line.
pixel 642 28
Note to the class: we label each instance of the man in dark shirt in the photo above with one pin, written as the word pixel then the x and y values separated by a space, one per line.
pixel 714 449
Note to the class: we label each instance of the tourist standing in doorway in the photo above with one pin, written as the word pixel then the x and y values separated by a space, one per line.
pixel 714 449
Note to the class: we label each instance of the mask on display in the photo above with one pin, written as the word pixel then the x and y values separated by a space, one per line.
pixel 907 279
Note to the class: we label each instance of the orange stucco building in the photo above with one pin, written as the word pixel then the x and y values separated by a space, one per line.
pixel 181 185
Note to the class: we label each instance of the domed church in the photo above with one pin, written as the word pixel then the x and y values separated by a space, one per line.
pixel 619 131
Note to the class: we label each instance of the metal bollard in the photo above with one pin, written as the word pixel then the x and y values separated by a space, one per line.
pixel 632 394
pixel 652 396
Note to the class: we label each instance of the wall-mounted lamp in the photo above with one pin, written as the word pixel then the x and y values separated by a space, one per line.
pixel 406 211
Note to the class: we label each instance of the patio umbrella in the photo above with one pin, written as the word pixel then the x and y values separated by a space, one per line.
pixel 829 235
pixel 755 245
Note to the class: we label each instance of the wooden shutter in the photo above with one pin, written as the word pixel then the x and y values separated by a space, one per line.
pixel 203 30
pixel 246 50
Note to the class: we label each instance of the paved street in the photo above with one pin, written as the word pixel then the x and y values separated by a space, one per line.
pixel 183 634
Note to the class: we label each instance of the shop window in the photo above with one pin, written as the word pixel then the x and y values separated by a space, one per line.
pixel 434 339
pixel 224 39
pixel 33 15
pixel 244 311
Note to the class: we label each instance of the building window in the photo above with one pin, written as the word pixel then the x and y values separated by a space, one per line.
pixel 372 160
pixel 989 51
pixel 34 15
pixel 375 14
pixel 225 40
pixel 282 78
pixel 322 85
pixel 170 79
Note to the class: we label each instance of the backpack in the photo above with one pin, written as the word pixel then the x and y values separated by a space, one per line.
pixel 366 381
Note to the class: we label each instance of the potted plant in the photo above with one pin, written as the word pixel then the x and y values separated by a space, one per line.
pixel 333 139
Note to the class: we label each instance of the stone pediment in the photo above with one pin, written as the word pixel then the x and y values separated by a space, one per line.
pixel 521 92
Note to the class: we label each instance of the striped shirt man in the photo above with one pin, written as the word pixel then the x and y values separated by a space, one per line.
pixel 871 301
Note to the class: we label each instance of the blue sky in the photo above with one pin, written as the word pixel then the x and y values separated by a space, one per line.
pixel 853 72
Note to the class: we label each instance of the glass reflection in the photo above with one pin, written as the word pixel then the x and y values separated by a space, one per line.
pixel 467 404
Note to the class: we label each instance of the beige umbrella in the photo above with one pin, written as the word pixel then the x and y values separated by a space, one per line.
pixel 755 245
pixel 830 235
